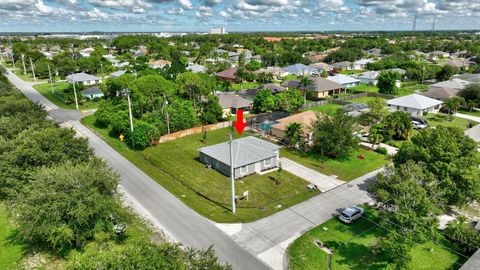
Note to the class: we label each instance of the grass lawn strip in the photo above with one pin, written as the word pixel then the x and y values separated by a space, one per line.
pixel 10 251
pixel 175 166
pixel 353 247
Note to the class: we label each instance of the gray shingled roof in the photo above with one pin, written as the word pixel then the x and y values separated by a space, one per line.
pixel 231 100
pixel 318 84
pixel 246 150
pixel 92 91
pixel 81 77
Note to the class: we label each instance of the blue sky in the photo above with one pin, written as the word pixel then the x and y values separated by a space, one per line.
pixel 235 15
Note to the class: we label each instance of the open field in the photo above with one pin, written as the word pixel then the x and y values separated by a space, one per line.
pixel 10 251
pixel 329 108
pixel 353 247
pixel 346 169
pixel 175 166
pixel 46 90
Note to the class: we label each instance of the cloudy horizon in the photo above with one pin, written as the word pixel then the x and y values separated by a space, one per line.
pixel 236 15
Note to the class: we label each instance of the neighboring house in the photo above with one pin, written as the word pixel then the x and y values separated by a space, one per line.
pixel 159 63
pixel 117 74
pixel 92 92
pixel 321 66
pixel 441 93
pixel 319 87
pixel 48 55
pixel 115 63
pixel 83 78
pixel 415 104
pixel 87 52
pixel 458 63
pixel 314 57
pixel 400 71
pixel 345 65
pixel 251 93
pixel 344 80
pixel 468 77
pixel 375 52
pixel 231 102
pixel 299 70
pixel 227 75
pixel 439 54
pixel 305 118
pixel 275 71
pixel 454 83
pixel 361 64
pixel 250 155
pixel 196 68
pixel 459 54
pixel 473 263
pixel 369 77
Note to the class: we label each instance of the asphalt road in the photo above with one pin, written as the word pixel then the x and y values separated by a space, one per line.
pixel 182 223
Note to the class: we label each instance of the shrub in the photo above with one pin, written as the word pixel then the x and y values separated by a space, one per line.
pixel 382 150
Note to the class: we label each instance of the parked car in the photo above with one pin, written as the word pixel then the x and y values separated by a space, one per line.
pixel 350 214
pixel 420 120
pixel 418 125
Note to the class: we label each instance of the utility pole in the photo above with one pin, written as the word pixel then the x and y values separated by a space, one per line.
pixel 166 112
pixel 232 173
pixel 130 109
pixel 33 70
pixel 24 68
pixel 423 73
pixel 51 80
pixel 75 92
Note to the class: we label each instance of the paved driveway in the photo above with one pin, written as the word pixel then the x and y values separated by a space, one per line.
pixel 322 181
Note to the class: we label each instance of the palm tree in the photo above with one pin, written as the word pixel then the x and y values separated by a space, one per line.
pixel 471 104
pixel 304 83
pixel 453 104
pixel 293 134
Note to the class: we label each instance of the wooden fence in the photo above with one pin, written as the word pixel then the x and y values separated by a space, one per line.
pixel 345 100
pixel 191 131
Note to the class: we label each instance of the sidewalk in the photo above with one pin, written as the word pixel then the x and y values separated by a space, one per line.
pixel 323 182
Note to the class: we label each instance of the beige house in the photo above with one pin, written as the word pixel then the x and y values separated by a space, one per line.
pixel 319 87
pixel 305 118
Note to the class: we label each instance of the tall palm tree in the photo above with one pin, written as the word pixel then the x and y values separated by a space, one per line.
pixel 293 134
pixel 471 104
pixel 304 83
pixel 453 104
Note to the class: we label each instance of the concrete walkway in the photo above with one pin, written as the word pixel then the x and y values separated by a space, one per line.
pixel 323 182
pixel 469 117
pixel 392 151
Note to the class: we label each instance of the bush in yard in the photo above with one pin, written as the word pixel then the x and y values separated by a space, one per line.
pixel 386 82
pixel 471 93
pixel 143 133
pixel 120 123
pixel 333 135
pixel 465 238
pixel 382 150
pixel 211 110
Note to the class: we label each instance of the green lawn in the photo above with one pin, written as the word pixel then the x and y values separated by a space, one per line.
pixel 28 77
pixel 46 90
pixel 472 113
pixel 365 88
pixel 10 252
pixel 176 167
pixel 346 169
pixel 329 108
pixel 290 77
pixel 350 72
pixel 364 100
pixel 437 119
pixel 352 248
pixel 410 88
pixel 246 85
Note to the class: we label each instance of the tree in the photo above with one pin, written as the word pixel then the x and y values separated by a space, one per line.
pixel 241 60
pixel 212 112
pixel 450 155
pixel 253 65
pixel 288 100
pixel 465 238
pixel 377 110
pixel 386 82
pixel 446 73
pixel 263 101
pixel 333 135
pixel 148 92
pixel 453 104
pixel 142 135
pixel 471 93
pixel 397 126
pixel 182 115
pixel 304 83
pixel 65 205
pixel 396 249
pixel 471 105
pixel 293 134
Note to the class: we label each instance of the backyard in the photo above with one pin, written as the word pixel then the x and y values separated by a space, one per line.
pixel 364 100
pixel 329 108
pixel 10 252
pixel 175 166
pixel 365 88
pixel 246 85
pixel 354 248
pixel 46 90
pixel 346 169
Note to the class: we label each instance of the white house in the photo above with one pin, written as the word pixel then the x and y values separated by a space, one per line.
pixel 86 52
pixel 159 63
pixel 83 78
pixel 344 80
pixel 371 78
pixel 415 104
pixel 361 64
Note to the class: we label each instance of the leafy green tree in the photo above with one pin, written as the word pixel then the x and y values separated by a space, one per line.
pixel 114 86
pixel 264 101
pixel 241 60
pixel 212 112
pixel 303 84
pixel 333 135
pixel 377 110
pixel 397 126
pixel 450 155
pixel 446 73
pixel 195 85
pixel 471 105
pixel 396 249
pixel 143 134
pixel 293 134
pixel 288 100
pixel 453 104
pixel 465 238
pixel 148 91
pixel 471 93
pixel 386 82
pixel 65 63
pixel 182 115
pixel 65 205
pixel 253 65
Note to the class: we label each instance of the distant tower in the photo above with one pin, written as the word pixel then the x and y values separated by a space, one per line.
pixel 415 22
pixel 434 21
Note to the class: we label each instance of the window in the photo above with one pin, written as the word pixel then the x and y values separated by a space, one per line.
pixel 404 109
pixel 267 162
pixel 243 170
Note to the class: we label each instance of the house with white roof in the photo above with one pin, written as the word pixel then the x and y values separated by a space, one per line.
pixel 299 70
pixel 344 80
pixel 196 68
pixel 250 155
pixel 83 78
pixel 361 64
pixel 415 104
pixel 371 78
pixel 454 83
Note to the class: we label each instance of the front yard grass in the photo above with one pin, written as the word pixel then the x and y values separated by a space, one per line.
pixel 329 108
pixel 346 169
pixel 353 247
pixel 10 251
pixel 437 119
pixel 410 88
pixel 46 90
pixel 468 112
pixel 365 88
pixel 245 86
pixel 175 166
pixel 28 77
pixel 363 100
